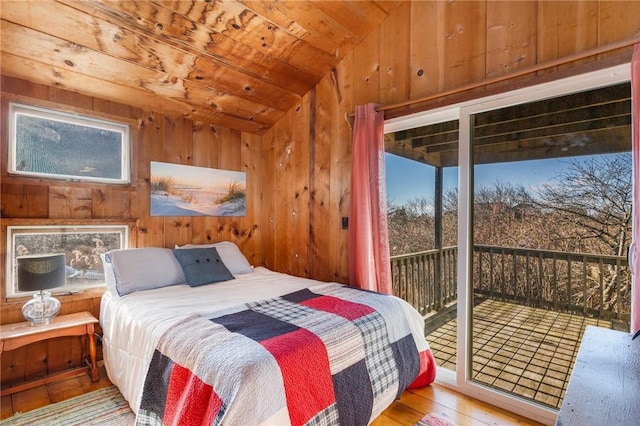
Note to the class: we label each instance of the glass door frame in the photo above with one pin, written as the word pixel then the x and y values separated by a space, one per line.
pixel 460 380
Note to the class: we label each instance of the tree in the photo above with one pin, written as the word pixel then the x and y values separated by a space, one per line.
pixel 593 198
pixel 502 216
pixel 591 203
pixel 410 226
pixel 585 209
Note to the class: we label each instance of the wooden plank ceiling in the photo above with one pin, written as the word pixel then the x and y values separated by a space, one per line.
pixel 238 64
pixel 592 122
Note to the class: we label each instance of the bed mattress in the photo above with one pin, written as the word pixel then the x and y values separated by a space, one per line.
pixel 133 325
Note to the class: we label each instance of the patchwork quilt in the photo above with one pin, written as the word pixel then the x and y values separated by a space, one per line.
pixel 325 355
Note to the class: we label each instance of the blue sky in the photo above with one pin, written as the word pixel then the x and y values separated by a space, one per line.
pixel 408 179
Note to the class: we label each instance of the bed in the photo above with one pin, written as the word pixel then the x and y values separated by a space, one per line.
pixel 255 346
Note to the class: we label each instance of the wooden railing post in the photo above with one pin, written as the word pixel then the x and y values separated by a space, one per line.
pixel 438 279
pixel 427 279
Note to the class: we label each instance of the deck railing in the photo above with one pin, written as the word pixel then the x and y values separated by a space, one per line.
pixel 427 280
pixel 588 284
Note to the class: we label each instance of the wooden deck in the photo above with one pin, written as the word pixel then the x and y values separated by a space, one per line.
pixel 525 350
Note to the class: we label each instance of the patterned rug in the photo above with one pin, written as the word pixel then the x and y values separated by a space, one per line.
pixel 433 420
pixel 108 407
pixel 102 407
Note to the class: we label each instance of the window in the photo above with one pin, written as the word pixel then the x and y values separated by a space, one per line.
pixel 82 246
pixel 422 188
pixel 51 144
pixel 543 198
pixel 551 211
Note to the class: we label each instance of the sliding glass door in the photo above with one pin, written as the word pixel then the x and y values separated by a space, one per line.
pixel 551 220
pixel 542 200
pixel 422 190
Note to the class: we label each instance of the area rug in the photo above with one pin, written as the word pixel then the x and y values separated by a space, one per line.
pixel 433 420
pixel 102 407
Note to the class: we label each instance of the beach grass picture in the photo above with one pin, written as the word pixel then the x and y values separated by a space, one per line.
pixel 179 190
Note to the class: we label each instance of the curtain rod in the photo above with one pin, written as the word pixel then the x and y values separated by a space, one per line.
pixel 535 68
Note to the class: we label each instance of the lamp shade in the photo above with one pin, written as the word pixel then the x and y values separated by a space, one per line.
pixel 41 272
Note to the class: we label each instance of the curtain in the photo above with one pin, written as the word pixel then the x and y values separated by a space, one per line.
pixel 369 263
pixel 634 250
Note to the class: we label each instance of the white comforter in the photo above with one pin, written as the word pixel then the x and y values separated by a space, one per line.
pixel 133 324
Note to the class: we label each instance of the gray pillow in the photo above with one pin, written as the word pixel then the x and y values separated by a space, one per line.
pixel 139 269
pixel 202 266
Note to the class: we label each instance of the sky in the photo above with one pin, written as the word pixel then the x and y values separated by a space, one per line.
pixel 408 179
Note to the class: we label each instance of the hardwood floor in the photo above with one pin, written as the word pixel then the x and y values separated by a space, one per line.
pixel 408 409
pixel 50 393
pixel 459 409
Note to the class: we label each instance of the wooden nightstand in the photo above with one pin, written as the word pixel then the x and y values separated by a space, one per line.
pixel 13 336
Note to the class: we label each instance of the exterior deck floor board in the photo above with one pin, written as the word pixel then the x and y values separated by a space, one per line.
pixel 525 350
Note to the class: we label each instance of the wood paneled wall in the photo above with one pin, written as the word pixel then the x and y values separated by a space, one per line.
pixel 298 172
pixel 155 137
pixel 423 48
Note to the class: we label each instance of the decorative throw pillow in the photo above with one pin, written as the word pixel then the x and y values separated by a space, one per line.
pixel 230 254
pixel 202 266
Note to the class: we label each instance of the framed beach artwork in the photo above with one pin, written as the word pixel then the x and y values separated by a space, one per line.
pixel 179 190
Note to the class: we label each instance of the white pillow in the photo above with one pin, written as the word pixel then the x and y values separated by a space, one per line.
pixel 230 254
pixel 109 277
pixel 142 269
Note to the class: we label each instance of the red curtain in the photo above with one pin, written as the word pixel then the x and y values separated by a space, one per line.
pixel 369 264
pixel 634 252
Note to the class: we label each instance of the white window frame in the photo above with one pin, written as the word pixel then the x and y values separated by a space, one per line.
pixel 460 379
pixel 16 109
pixel 89 280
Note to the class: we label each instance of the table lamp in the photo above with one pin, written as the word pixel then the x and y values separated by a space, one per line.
pixel 39 273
